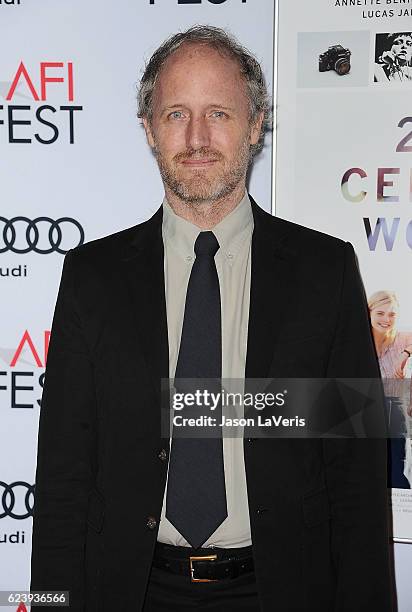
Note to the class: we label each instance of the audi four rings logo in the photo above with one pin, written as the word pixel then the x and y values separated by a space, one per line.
pixel 16 500
pixel 41 235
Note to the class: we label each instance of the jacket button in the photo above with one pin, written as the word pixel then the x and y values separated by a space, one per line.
pixel 162 455
pixel 151 522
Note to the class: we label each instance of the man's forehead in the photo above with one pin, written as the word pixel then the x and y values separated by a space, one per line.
pixel 198 72
pixel 199 52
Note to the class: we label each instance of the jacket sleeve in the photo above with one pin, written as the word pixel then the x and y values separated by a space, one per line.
pixel 66 454
pixel 356 467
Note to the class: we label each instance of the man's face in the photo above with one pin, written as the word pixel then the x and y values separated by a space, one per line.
pixel 200 129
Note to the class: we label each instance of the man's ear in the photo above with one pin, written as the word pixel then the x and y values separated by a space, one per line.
pixel 149 133
pixel 256 129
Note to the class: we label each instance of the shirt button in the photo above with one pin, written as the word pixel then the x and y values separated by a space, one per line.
pixel 230 255
pixel 162 455
pixel 189 258
pixel 151 522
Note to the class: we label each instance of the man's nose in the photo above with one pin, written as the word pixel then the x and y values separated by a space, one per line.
pixel 197 135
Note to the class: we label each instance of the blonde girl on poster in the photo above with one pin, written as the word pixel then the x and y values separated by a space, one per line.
pixel 394 349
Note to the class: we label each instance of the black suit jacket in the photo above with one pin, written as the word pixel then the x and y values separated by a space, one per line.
pixel 318 508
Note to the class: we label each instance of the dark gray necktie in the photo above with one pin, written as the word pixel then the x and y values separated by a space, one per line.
pixel 196 494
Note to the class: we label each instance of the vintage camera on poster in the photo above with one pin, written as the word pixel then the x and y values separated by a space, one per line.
pixel 336 58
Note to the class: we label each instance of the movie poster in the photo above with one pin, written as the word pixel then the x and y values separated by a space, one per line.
pixel 344 159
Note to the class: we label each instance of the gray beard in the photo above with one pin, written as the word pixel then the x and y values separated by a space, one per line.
pixel 200 189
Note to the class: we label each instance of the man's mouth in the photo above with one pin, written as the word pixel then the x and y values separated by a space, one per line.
pixel 198 162
pixel 199 159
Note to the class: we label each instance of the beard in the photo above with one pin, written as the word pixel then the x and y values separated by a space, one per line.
pixel 201 187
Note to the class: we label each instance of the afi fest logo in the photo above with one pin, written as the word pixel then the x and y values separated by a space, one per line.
pixel 39 121
pixel 15 2
pixel 22 383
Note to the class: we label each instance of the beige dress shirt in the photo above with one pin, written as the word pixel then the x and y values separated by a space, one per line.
pixel 233 264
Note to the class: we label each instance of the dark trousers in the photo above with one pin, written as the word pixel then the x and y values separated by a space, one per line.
pixel 396 445
pixel 168 592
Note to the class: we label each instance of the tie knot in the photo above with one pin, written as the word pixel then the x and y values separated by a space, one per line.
pixel 206 244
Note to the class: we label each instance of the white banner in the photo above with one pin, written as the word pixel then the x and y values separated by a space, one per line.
pixel 75 166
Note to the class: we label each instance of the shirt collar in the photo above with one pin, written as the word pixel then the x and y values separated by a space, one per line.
pixel 236 227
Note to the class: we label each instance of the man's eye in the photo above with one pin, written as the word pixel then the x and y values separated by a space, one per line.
pixel 219 114
pixel 176 115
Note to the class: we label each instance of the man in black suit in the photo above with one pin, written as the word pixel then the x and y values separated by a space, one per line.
pixel 211 286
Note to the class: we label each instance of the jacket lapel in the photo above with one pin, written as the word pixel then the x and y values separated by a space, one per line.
pixel 143 260
pixel 273 280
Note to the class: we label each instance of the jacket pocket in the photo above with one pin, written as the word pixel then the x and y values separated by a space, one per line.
pixel 95 510
pixel 316 508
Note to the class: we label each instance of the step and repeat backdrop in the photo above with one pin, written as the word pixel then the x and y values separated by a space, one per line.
pixel 75 166
pixel 344 159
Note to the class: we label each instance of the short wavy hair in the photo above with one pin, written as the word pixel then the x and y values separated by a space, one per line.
pixel 225 43
pixel 391 37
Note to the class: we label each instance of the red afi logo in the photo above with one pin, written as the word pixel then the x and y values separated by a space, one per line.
pixel 45 78
pixel 27 341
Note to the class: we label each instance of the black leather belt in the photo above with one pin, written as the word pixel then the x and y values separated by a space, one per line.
pixel 203 564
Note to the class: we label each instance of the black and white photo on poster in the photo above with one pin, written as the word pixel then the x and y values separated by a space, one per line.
pixel 393 58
